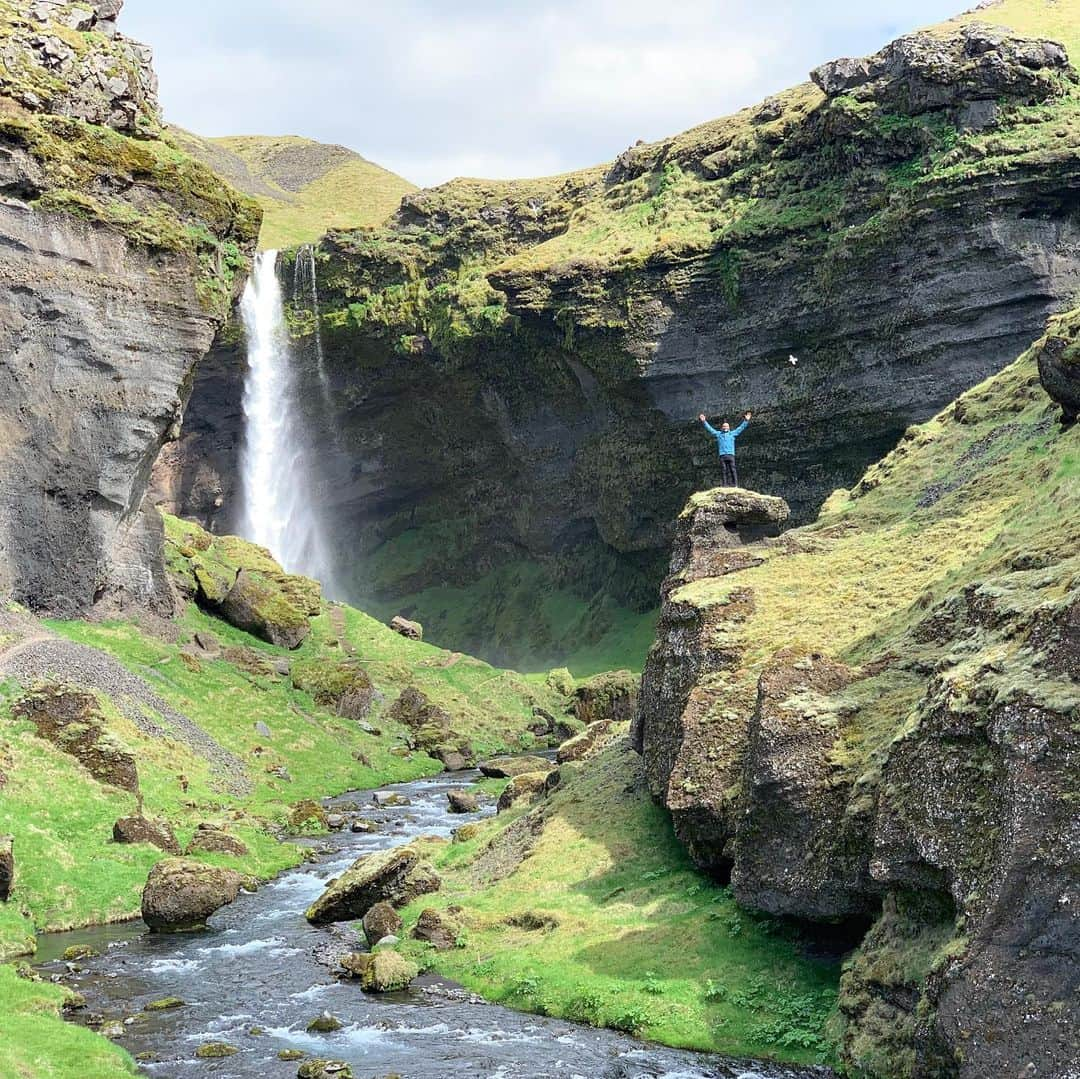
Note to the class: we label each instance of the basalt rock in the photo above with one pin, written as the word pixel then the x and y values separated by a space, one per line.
pixel 1059 366
pixel 609 697
pixel 383 971
pixel 209 838
pixel 109 303
pixel 7 867
pixel 528 787
pixel 407 628
pixel 508 767
pixel 181 895
pixel 381 920
pixel 581 745
pixel 462 801
pixel 438 928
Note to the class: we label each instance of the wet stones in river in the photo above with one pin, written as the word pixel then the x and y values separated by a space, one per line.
pixel 324 1069
pixel 215 1050
pixel 155 831
pixel 324 1024
pixel 80 951
pixel 462 801
pixel 380 921
pixel 390 798
pixel 394 876
pixel 335 821
pixel 360 825
pixel 383 971
pixel 181 895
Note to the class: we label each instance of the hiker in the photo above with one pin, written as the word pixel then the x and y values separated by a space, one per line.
pixel 725 443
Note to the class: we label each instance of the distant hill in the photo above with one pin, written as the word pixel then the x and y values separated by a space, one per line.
pixel 305 187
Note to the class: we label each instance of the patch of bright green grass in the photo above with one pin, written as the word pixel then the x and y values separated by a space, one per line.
pixel 643 943
pixel 38 1044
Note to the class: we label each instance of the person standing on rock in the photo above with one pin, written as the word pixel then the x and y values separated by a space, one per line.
pixel 725 443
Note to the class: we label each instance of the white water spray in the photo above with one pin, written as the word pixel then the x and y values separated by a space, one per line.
pixel 277 482
pixel 305 283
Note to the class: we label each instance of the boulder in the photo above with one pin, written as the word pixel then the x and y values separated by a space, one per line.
pixel 380 921
pixel 581 745
pixel 209 647
pixel 262 730
pixel 462 801
pixel 453 760
pixel 358 824
pixel 157 832
pixel 383 971
pixel 529 786
pixel 1059 366
pixel 209 839
pixel 324 1069
pixel 215 1050
pixel 7 867
pixel 430 729
pixel 438 928
pixel 307 815
pixel 341 685
pixel 611 696
pixel 508 767
pixel 335 821
pixel 394 876
pixel 324 1024
pixel 262 609
pixel 180 894
pixel 407 628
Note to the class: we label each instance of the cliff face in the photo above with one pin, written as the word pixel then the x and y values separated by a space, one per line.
pixel 119 261
pixel 521 364
pixel 875 717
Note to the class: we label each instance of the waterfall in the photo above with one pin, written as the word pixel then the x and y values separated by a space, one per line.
pixel 305 284
pixel 277 480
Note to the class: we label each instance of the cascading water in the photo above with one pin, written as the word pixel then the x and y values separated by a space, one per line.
pixel 279 510
pixel 305 286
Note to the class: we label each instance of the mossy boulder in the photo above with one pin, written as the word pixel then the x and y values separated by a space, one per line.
pixel 528 787
pixel 308 816
pixel 181 895
pixel 7 867
pixel 407 628
pixel 611 696
pixel 380 921
pixel 394 876
pixel 211 839
pixel 384 971
pixel 324 1024
pixel 581 745
pixel 216 1051
pixel 256 605
pixel 439 928
pixel 156 831
pixel 462 801
pixel 508 767
pixel 324 1069
pixel 342 685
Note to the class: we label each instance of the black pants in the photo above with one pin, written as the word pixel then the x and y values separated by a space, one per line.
pixel 729 476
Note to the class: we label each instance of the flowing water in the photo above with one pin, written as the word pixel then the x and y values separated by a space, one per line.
pixel 258 976
pixel 277 477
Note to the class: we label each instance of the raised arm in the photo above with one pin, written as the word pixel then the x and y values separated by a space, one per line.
pixel 742 426
pixel 708 426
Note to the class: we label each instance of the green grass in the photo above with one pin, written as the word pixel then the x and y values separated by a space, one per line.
pixel 644 942
pixel 304 188
pixel 38 1044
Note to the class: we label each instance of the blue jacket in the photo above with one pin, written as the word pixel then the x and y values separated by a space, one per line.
pixel 725 440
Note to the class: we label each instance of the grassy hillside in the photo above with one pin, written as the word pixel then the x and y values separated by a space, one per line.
pixel 304 187
pixel 587 907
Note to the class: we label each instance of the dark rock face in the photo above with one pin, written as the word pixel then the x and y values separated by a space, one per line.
pixel 438 928
pixel 7 867
pixel 101 331
pixel 1059 366
pixel 528 787
pixel 180 895
pixel 578 405
pixel 380 921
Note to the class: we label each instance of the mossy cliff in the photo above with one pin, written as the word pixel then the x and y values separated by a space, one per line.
pixel 517 367
pixel 122 257
pixel 873 718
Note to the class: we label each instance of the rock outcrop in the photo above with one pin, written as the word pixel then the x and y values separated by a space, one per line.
pixel 120 257
pixel 1059 366
pixel 155 831
pixel 180 895
pixel 903 235
pixel 871 720
pixel 7 867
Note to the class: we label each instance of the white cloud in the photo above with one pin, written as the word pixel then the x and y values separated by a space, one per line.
pixel 485 87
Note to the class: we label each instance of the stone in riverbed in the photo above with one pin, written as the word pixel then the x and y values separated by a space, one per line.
pixel 395 876
pixel 154 831
pixel 383 971
pixel 80 951
pixel 290 1054
pixel 508 767
pixel 380 921
pixel 164 1005
pixel 324 1069
pixel 7 866
pixel 324 1024
pixel 462 801
pixel 180 894
pixel 216 1050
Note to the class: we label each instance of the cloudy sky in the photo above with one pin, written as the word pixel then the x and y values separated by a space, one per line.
pixel 498 88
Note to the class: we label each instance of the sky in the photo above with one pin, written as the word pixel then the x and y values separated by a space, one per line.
pixel 434 89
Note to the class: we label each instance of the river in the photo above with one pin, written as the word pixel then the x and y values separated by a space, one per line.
pixel 258 976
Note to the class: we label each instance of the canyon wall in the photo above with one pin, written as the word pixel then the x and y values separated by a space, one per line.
pixel 119 260
pixel 517 368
